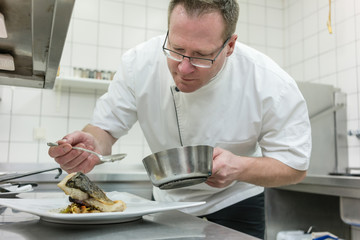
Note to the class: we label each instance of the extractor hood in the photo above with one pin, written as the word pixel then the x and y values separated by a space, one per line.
pixel 36 33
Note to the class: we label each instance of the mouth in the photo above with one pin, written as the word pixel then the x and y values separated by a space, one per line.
pixel 187 79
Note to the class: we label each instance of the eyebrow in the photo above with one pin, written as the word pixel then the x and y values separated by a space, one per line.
pixel 199 51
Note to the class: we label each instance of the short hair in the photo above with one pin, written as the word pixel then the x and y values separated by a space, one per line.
pixel 229 9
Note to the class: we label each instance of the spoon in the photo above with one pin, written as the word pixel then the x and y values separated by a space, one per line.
pixel 103 159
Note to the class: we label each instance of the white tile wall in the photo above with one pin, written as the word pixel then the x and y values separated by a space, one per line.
pixel 293 33
pixel 111 12
pixel 110 35
pixel 328 58
pixel 5 127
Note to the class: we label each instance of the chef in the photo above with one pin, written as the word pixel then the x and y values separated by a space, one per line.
pixel 197 85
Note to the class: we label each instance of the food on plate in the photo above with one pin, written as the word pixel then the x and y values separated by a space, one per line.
pixel 86 196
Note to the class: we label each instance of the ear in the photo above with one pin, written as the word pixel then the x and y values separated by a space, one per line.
pixel 231 45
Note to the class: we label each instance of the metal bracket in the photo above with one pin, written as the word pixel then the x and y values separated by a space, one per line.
pixel 354 133
pixel 327 111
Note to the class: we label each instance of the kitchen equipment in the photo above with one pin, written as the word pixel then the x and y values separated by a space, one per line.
pixel 327 111
pixel 11 176
pixel 10 190
pixel 3 32
pixel 179 167
pixel 3 190
pixel 103 159
pixel 35 38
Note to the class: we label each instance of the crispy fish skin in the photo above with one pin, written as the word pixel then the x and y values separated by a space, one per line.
pixel 81 190
pixel 82 182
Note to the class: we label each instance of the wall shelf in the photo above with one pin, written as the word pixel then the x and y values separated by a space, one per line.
pixel 81 83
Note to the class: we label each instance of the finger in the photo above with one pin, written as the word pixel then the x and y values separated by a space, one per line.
pixel 217 183
pixel 74 138
pixel 84 166
pixel 210 184
pixel 72 158
pixel 63 141
pixel 72 155
pixel 213 183
pixel 60 150
pixel 216 152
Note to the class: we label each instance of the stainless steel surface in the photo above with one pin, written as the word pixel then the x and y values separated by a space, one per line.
pixel 350 210
pixel 166 225
pixel 345 188
pixel 179 167
pixel 291 210
pixel 103 159
pixel 355 232
pixel 36 35
pixel 342 186
pixel 327 112
pixel 330 110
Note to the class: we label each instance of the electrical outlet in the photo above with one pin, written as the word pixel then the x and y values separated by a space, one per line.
pixel 39 133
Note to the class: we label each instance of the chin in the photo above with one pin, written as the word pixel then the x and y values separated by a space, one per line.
pixel 187 89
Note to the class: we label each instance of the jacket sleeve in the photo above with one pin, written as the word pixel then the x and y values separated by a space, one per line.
pixel 286 130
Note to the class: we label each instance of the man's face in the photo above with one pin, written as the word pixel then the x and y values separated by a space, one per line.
pixel 196 37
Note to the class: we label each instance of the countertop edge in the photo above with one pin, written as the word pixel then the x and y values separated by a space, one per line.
pixel 343 186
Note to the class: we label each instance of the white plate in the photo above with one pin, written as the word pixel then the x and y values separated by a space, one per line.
pixel 48 209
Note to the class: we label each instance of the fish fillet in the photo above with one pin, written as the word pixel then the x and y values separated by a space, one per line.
pixel 82 191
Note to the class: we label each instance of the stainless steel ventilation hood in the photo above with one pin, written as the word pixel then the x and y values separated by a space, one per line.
pixel 36 33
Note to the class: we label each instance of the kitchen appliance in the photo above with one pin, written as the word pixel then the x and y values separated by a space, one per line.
pixel 327 112
pixel 35 36
pixel 179 167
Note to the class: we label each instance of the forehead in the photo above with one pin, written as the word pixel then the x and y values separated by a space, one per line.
pixel 206 28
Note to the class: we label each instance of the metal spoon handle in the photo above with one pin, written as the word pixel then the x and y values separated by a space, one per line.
pixel 52 144
pixel 103 159
pixel 89 151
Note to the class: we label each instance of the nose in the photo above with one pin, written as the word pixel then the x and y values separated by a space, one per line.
pixel 185 67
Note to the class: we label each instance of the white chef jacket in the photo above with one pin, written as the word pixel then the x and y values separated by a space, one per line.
pixel 251 108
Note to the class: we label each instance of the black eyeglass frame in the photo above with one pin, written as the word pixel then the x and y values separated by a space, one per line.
pixel 184 56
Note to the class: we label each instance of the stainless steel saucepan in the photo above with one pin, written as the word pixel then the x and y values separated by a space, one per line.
pixel 179 167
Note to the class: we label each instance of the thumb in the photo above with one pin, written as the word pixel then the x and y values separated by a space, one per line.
pixel 73 138
pixel 216 153
pixel 65 140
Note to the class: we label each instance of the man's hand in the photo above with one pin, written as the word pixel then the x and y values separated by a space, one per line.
pixel 92 138
pixel 75 160
pixel 261 171
pixel 225 168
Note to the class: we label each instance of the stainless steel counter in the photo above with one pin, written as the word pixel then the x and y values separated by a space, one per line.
pixel 166 225
pixel 327 202
pixel 342 186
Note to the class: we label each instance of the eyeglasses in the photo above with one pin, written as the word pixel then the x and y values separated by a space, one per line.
pixel 195 61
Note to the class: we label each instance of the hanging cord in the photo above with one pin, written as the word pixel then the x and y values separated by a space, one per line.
pixel 176 114
pixel 329 20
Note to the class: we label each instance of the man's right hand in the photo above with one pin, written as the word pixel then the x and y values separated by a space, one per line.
pixel 72 160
